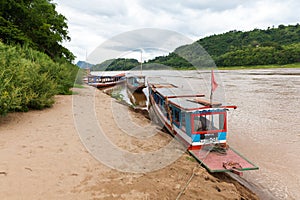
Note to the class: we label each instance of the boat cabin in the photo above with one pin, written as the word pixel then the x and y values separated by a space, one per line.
pixel 135 82
pixel 102 81
pixel 200 125
pixel 196 121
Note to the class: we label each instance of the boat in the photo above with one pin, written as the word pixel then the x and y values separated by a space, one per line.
pixel 137 99
pixel 135 83
pixel 105 81
pixel 200 125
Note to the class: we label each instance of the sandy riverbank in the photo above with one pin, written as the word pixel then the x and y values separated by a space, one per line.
pixel 42 157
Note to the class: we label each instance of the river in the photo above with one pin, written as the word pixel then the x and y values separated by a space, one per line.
pixel 265 126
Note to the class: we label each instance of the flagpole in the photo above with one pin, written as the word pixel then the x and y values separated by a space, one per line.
pixel 141 61
pixel 211 87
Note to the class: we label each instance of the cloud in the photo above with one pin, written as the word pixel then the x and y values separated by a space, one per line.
pixel 146 40
pixel 95 21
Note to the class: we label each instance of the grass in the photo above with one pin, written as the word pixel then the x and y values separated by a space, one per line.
pixel 78 86
pixel 75 93
pixel 294 65
pixel 190 158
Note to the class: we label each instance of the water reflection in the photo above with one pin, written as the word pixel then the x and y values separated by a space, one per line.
pixel 137 100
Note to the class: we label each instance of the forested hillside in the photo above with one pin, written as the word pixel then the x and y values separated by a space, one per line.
pixel 274 46
pixel 34 66
pixel 236 48
pixel 116 64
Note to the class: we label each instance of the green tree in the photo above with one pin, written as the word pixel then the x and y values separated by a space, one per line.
pixel 37 24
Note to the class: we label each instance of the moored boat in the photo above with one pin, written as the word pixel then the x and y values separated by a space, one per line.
pixel 135 83
pixel 199 124
pixel 137 99
pixel 106 81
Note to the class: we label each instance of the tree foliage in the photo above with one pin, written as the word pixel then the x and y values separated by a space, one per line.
pixel 29 79
pixel 119 64
pixel 37 24
pixel 258 47
pixel 235 48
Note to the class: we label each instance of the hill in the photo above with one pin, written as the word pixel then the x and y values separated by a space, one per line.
pixel 235 48
pixel 84 65
pixel 116 64
pixel 273 46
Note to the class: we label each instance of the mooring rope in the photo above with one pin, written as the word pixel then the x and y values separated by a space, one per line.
pixel 190 179
pixel 209 148
pixel 186 185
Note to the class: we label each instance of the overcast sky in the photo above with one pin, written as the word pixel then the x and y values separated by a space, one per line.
pixel 92 22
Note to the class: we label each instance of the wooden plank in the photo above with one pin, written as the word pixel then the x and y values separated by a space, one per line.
pixel 186 95
pixel 205 102
pixel 164 86
pixel 215 162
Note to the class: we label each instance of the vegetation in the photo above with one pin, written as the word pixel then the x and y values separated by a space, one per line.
pixel 274 46
pixel 294 65
pixel 36 24
pixel 116 64
pixel 261 55
pixel 34 66
pixel 217 45
pixel 29 79
pixel 235 48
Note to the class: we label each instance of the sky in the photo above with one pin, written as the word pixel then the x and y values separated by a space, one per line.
pixel 94 22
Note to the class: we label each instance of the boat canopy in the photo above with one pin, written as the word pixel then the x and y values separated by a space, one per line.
pixel 186 99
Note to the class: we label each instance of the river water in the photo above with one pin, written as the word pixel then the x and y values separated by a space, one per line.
pixel 264 128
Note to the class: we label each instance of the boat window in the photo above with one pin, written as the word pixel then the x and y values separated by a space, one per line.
pixel 176 114
pixel 209 122
pixel 183 122
pixel 156 98
pixel 163 108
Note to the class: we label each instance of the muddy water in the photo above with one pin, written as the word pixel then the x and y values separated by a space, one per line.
pixel 266 125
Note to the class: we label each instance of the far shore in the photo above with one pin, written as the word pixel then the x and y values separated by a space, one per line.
pixel 287 66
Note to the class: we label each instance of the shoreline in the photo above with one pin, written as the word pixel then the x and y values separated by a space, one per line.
pixel 43 156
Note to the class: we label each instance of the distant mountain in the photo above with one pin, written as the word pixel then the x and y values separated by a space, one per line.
pixel 84 65
pixel 119 64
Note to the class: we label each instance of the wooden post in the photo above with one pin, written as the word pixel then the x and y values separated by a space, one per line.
pixel 169 113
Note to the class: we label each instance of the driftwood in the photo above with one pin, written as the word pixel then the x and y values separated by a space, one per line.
pixel 4 173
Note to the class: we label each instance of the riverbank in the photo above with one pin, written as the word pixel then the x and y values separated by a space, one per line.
pixel 42 157
pixel 294 65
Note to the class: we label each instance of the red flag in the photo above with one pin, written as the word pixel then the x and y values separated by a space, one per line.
pixel 214 84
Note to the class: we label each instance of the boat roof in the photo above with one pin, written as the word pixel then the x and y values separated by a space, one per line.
pixel 106 76
pixel 172 91
pixel 191 104
pixel 135 76
pixel 185 99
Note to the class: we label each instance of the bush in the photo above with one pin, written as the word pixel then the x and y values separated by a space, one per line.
pixel 29 79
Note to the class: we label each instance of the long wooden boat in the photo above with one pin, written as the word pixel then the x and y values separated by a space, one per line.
pixel 200 125
pixel 136 83
pixel 137 99
pixel 106 81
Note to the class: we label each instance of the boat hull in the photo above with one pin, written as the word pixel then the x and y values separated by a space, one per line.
pixel 135 83
pixel 215 155
pixel 107 84
pixel 138 89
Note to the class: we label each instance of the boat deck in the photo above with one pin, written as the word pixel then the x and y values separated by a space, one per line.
pixel 232 161
pixel 214 157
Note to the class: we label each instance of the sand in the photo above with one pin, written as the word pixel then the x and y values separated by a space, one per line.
pixel 43 157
